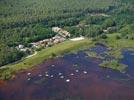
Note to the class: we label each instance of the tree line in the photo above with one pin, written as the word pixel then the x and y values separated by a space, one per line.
pixel 26 21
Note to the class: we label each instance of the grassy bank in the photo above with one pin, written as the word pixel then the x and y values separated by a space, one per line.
pixel 114 51
pixel 67 46
pixel 113 42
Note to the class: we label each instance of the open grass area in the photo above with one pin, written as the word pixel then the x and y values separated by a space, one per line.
pixel 67 46
pixel 113 42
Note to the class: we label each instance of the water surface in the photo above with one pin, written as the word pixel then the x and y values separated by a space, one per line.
pixel 72 77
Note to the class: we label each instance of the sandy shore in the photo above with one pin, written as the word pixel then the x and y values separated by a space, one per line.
pixel 77 39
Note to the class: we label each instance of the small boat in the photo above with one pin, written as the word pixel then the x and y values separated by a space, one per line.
pixel 72 74
pixel 52 65
pixel 28 74
pixel 46 75
pixel 29 79
pixel 85 72
pixel 60 74
pixel 51 76
pixel 61 77
pixel 68 80
pixel 77 71
pixel 40 75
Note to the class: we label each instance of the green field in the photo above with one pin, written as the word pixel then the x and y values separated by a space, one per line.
pixel 118 43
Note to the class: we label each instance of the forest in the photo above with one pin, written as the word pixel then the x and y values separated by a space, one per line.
pixel 26 21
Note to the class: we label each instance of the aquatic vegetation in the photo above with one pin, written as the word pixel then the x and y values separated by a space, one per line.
pixel 115 47
pixel 91 54
pixel 40 81
pixel 113 64
pixel 115 53
pixel 76 66
pixel 6 73
pixel 94 54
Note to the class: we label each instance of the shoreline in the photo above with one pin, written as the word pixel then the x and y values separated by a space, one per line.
pixel 7 71
pixel 65 47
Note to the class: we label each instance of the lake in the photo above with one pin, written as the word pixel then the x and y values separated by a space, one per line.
pixel 74 76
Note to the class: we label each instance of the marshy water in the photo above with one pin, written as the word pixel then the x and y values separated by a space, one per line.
pixel 72 77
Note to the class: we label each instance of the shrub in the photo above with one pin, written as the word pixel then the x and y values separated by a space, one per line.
pixel 103 36
pixel 118 37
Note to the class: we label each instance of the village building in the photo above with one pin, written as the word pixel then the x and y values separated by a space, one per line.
pixel 61 36
pixel 105 31
pixel 62 32
pixel 56 29
pixel 20 46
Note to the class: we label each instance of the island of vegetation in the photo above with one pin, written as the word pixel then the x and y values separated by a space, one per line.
pixel 34 30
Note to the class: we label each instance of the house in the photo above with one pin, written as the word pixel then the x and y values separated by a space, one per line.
pixel 20 46
pixel 67 34
pixel 24 49
pixel 56 29
pixel 61 32
pixel 105 31
pixel 56 41
pixel 60 37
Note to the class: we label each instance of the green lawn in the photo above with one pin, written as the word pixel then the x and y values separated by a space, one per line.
pixel 67 46
pixel 119 43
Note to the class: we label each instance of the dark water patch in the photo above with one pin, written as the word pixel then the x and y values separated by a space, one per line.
pixel 99 49
pixel 128 59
